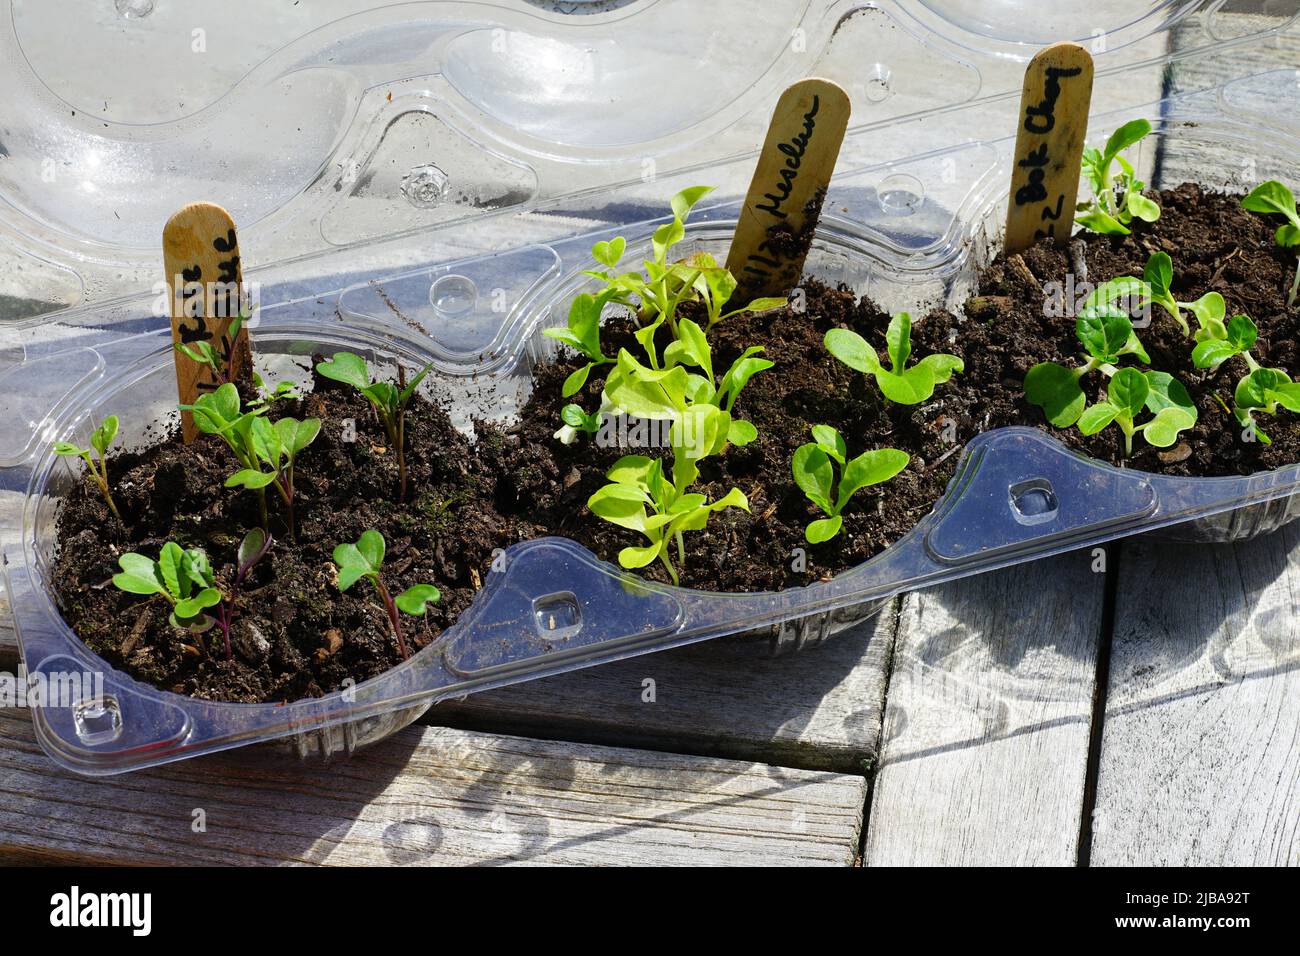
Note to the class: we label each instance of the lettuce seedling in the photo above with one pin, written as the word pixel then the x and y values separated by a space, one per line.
pixel 656 293
pixel 583 331
pixel 1129 393
pixel 365 559
pixel 1273 197
pixel 1116 199
pixel 100 440
pixel 640 498
pixel 1264 390
pixel 814 472
pixel 898 383
pixel 389 401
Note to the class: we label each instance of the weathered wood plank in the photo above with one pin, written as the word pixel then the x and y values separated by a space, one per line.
pixel 987 719
pixel 430 796
pixel 1200 750
pixel 818 708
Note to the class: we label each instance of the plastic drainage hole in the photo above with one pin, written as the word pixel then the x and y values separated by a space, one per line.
pixel 97 721
pixel 453 295
pixel 876 87
pixel 900 194
pixel 1034 501
pixel 558 615
pixel 134 9
pixel 425 186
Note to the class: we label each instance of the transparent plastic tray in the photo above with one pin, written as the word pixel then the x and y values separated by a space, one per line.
pixel 905 233
pixel 407 133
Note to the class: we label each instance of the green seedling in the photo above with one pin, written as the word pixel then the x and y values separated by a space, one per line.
pixel 583 330
pixel 276 447
pixel 1273 197
pixel 1157 278
pixel 1107 336
pixel 1116 199
pixel 898 383
pixel 203 353
pixel 655 295
pixel 255 442
pixel 100 440
pixel 1128 394
pixel 1264 390
pixel 185 578
pixel 268 396
pixel 640 498
pixel 390 401
pixel 1239 335
pixel 814 466
pixel 657 292
pixel 365 559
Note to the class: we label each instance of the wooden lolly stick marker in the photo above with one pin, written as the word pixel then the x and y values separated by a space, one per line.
pixel 1052 124
pixel 205 280
pixel 798 157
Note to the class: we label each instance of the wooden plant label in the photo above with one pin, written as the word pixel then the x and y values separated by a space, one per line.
pixel 798 157
pixel 205 282
pixel 1053 121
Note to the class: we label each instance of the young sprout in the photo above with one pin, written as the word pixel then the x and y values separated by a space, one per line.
pixel 1128 394
pixel 389 401
pixel 276 447
pixel 1264 390
pixel 1273 197
pixel 255 442
pixel 583 331
pixel 1239 337
pixel 655 296
pixel 1154 286
pixel 1107 335
pixel 203 353
pixel 898 383
pixel 100 440
pixel 364 560
pixel 1116 199
pixel 640 498
pixel 657 293
pixel 266 396
pixel 814 471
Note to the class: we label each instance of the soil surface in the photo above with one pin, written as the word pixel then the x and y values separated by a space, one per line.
pixel 296 635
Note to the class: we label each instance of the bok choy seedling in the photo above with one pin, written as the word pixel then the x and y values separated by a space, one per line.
pixel 1273 197
pixel 1116 198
